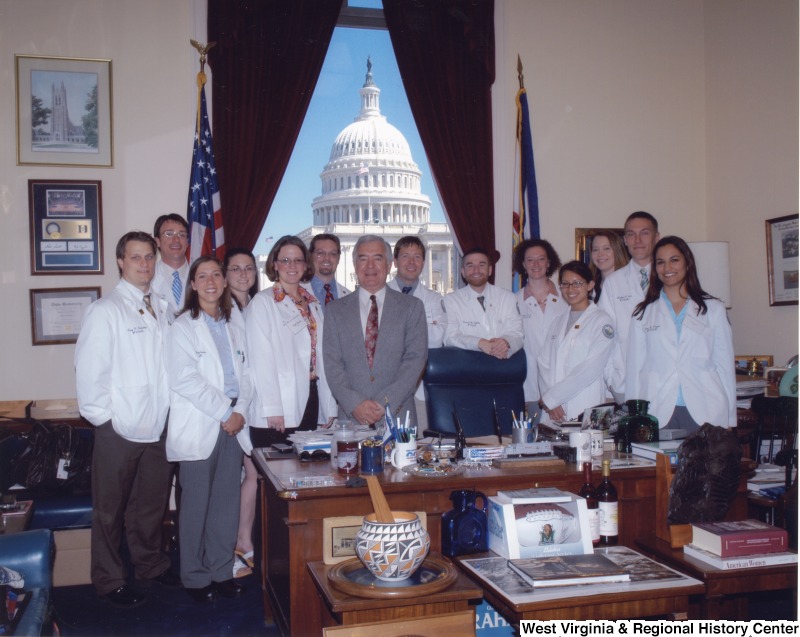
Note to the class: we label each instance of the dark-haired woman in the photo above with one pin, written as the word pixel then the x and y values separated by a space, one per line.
pixel 284 332
pixel 576 349
pixel 680 347
pixel 210 393
pixel 539 304
pixel 241 273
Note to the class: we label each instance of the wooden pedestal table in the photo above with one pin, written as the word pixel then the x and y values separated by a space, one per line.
pixel 726 592
pixel 349 599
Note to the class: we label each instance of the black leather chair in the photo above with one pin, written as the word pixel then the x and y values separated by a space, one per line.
pixel 471 383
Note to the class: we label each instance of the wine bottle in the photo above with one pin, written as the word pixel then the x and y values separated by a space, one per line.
pixel 608 508
pixel 587 491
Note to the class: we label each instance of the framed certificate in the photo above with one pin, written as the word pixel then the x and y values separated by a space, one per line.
pixel 56 313
pixel 66 226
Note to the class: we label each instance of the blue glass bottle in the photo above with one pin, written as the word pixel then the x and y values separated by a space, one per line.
pixel 464 526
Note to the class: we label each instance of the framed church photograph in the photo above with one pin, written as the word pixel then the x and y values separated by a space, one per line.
pixel 64 113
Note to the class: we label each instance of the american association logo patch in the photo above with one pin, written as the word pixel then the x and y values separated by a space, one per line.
pixel 608 331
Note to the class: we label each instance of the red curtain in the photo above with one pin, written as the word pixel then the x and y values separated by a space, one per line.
pixel 445 53
pixel 266 63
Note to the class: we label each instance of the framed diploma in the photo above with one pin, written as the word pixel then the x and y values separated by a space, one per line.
pixel 782 259
pixel 56 313
pixel 66 226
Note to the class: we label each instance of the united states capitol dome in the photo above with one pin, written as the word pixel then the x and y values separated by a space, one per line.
pixel 371 176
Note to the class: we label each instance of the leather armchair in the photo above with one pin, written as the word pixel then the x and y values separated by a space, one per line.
pixel 471 382
pixel 30 553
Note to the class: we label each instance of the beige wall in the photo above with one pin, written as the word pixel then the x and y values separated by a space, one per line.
pixel 685 108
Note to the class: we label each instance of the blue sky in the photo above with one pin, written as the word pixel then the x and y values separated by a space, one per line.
pixel 336 104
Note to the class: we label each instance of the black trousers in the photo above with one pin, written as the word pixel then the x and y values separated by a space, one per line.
pixel 265 437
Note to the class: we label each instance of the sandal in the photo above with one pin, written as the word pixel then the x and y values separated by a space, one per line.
pixel 240 569
pixel 247 558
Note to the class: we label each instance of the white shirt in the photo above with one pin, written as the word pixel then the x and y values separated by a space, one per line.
pixel 535 325
pixel 622 292
pixel 468 322
pixel 162 285
pixel 701 363
pixel 572 361
pixel 119 364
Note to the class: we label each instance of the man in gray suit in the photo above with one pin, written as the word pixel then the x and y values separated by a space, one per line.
pixel 375 341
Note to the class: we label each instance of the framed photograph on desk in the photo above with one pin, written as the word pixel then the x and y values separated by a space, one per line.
pixel 782 260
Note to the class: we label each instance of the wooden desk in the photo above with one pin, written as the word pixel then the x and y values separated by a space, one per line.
pixel 343 609
pixel 641 597
pixel 726 592
pixel 292 519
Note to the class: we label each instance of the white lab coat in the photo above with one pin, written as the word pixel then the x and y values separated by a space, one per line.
pixel 571 364
pixel 119 365
pixel 535 325
pixel 468 323
pixel 197 388
pixel 280 351
pixel 701 363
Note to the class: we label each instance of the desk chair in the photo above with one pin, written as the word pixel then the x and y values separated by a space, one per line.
pixel 472 382
pixel 775 442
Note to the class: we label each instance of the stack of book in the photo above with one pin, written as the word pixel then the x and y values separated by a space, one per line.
pixel 650 450
pixel 740 544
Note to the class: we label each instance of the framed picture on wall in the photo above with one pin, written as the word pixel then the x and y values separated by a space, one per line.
pixel 56 313
pixel 64 111
pixel 66 226
pixel 782 260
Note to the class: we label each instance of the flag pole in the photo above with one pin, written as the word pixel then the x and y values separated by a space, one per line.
pixel 202 49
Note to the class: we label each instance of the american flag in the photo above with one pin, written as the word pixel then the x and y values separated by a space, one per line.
pixel 204 212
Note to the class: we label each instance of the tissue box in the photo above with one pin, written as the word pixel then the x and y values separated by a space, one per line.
pixel 539 529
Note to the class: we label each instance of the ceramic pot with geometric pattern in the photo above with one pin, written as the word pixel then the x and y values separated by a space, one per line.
pixel 392 551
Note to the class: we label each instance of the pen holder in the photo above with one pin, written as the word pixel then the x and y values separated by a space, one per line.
pixel 522 436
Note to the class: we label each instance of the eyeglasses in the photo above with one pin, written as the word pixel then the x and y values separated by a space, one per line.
pixel 171 233
pixel 314 456
pixel 575 284
pixel 249 269
pixel 321 255
pixel 298 261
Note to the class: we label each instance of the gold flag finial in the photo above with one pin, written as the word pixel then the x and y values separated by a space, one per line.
pixel 202 49
pixel 520 75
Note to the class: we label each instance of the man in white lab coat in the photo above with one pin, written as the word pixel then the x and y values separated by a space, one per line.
pixel 122 390
pixel 624 289
pixel 171 233
pixel 481 316
pixel 409 260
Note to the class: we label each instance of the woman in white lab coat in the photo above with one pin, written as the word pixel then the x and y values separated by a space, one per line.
pixel 241 274
pixel 539 304
pixel 680 347
pixel 576 349
pixel 210 393
pixel 284 333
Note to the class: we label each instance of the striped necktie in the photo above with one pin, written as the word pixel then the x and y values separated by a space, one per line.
pixel 148 306
pixel 480 300
pixel 328 293
pixel 645 279
pixel 177 288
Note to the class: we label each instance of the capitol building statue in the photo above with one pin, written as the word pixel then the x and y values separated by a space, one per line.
pixel 371 185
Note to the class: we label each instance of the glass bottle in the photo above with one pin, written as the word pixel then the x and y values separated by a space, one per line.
pixel 340 432
pixel 638 425
pixel 608 508
pixel 587 491
pixel 346 443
